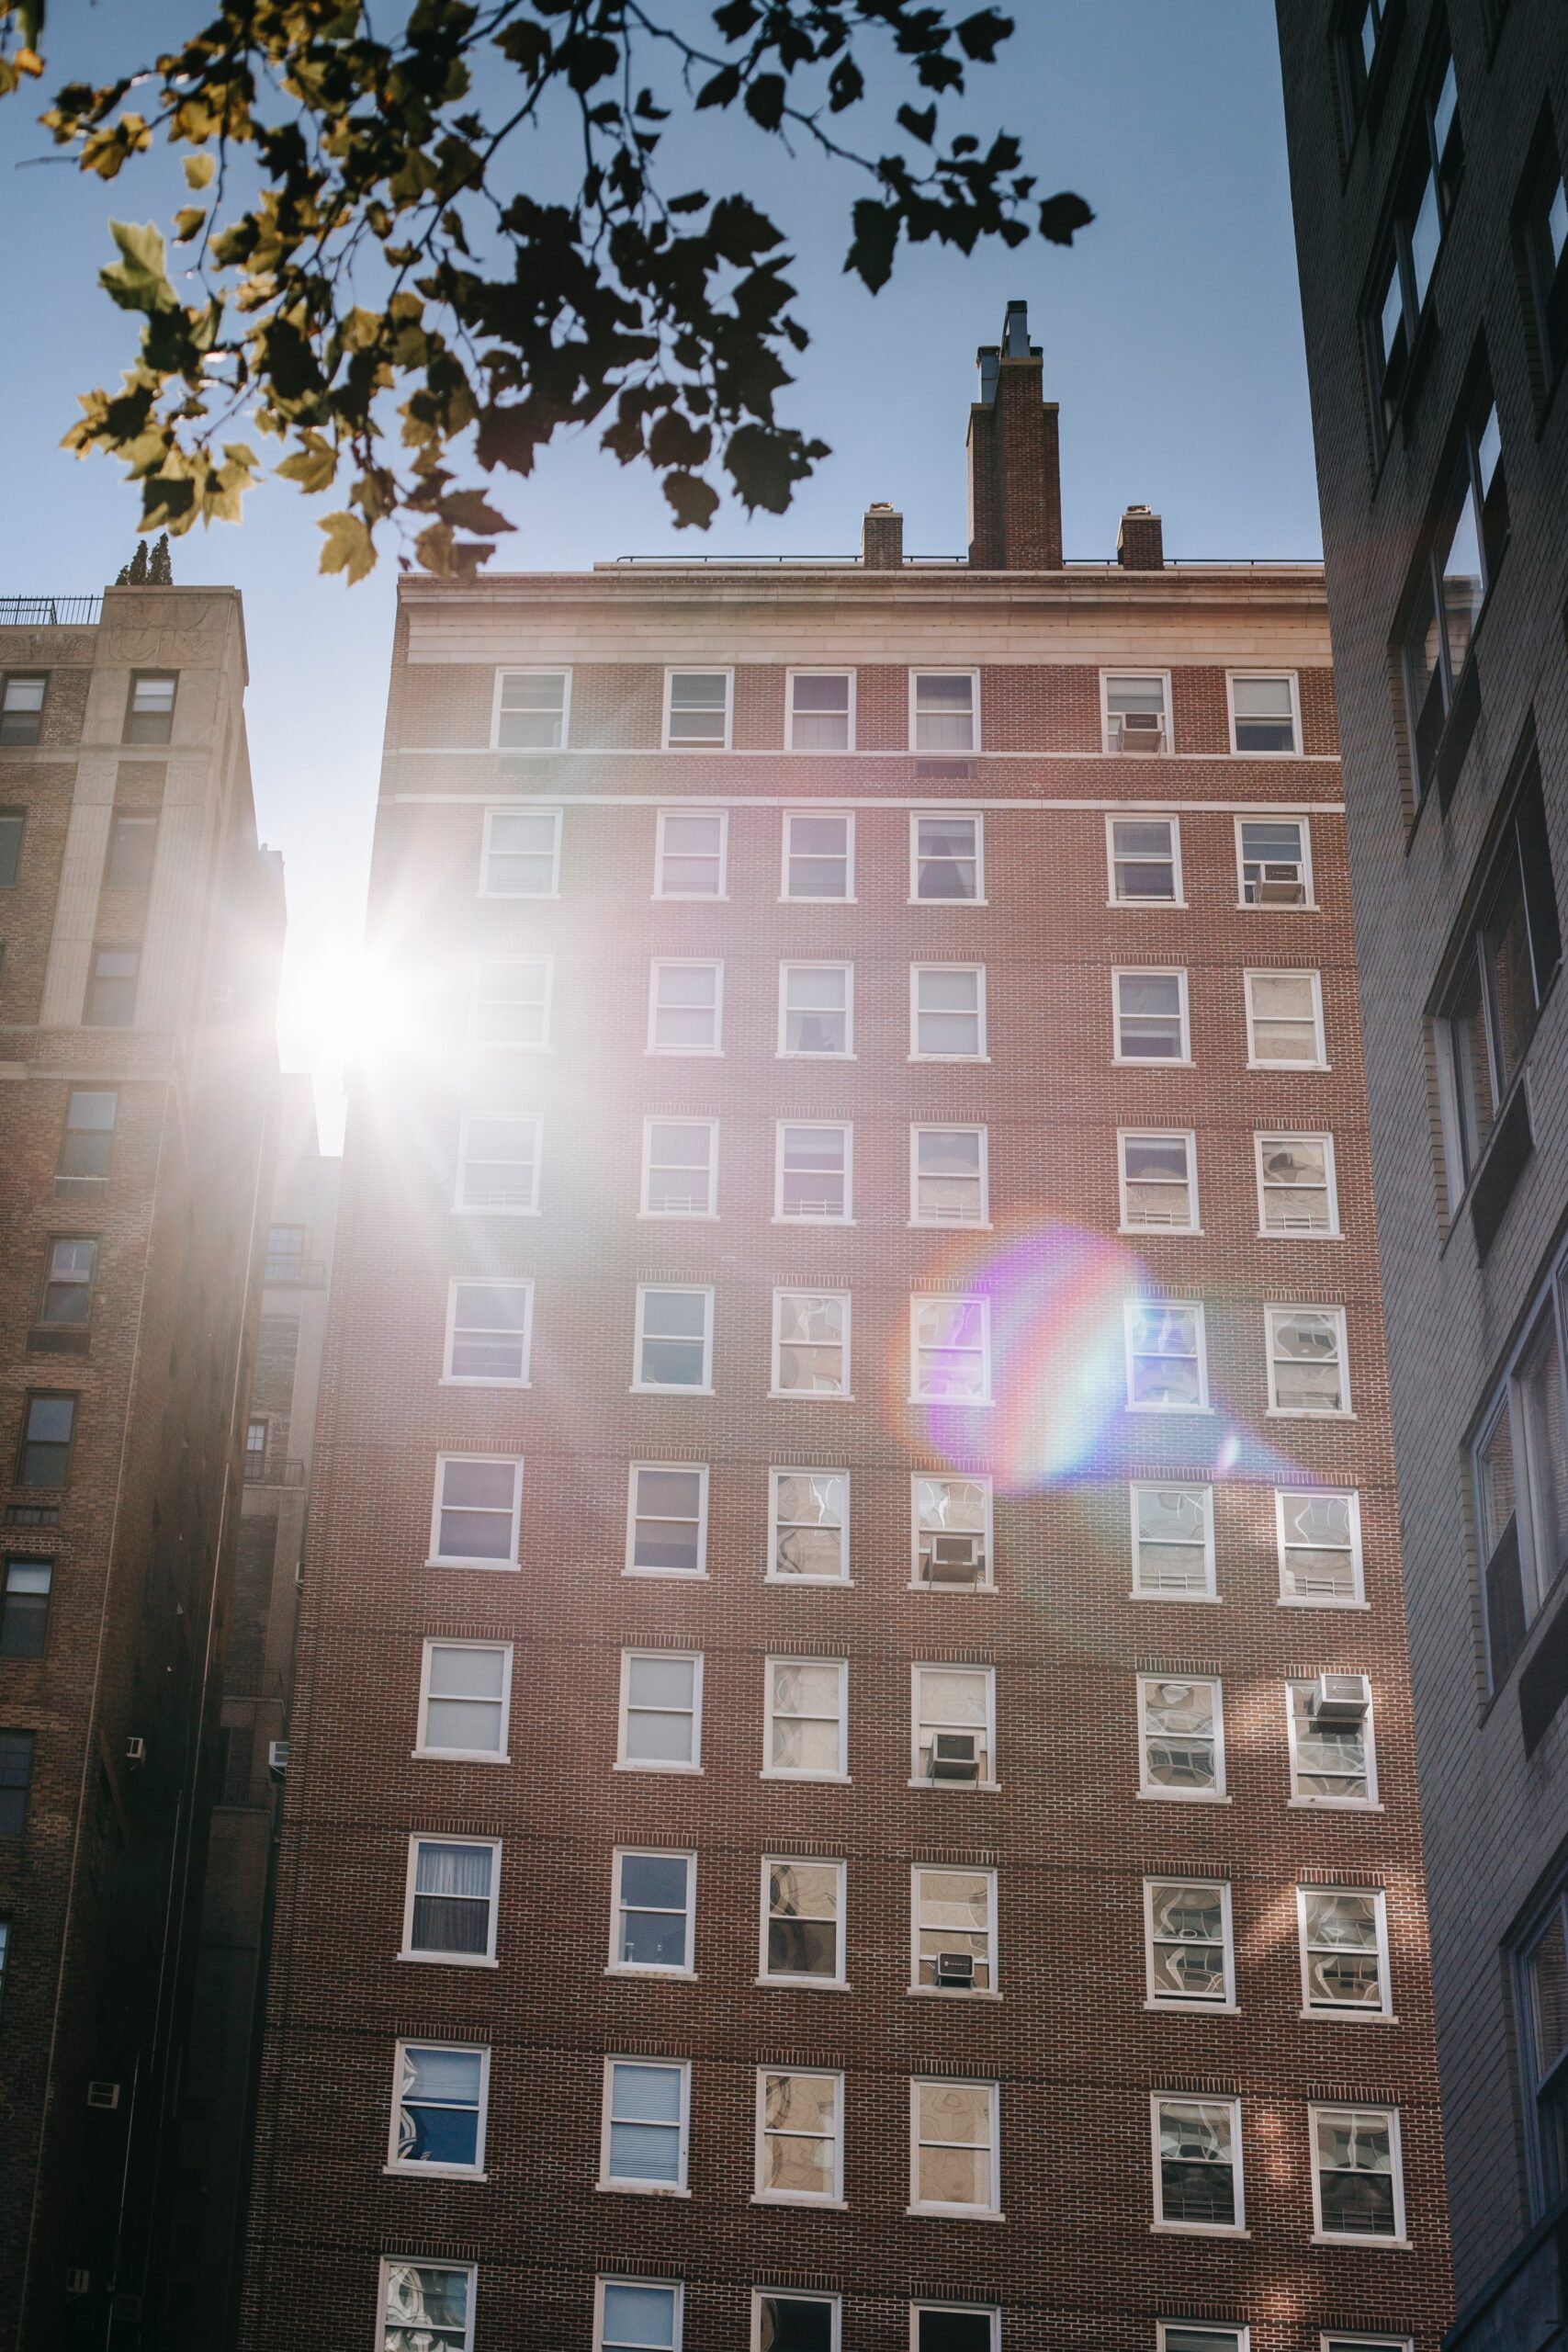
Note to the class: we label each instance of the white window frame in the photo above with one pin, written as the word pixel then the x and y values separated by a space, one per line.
pixel 626 2185
pixel 771 1772
pixel 806 750
pixel 1236 2229
pixel 1168 2003
pixel 640 1387
pixel 693 898
pixel 562 669
pixel 1340 2339
pixel 1334 1230
pixel 1309 1799
pixel 699 1470
pixel 684 1216
pixel 988 1583
pixel 1358 1597
pixel 760 2196
pixel 1346 2011
pixel 624 1763
pixel 1285 972
pixel 463 1207
pixel 1125 1135
pixel 1152 1789
pixel 675 2287
pixel 951 1298
pixel 546 963
pixel 439 1559
pixel 795 2295
pixel 970 2311
pixel 917 1717
pixel 919 1127
pixel 968 2082
pixel 1192 1306
pixel 1115 817
pixel 1227 2337
pixel 413 2166
pixel 618 1967
pixel 1345 1410
pixel 521 808
pixel 390 2262
pixel 1177 972
pixel 422 1750
pixel 408 1949
pixel 1292 679
pixel 1115 751
pixel 1309 890
pixel 1208 1590
pixel 788 964
pixel 450 1379
pixel 674 670
pixel 844 1396
pixel 991 1992
pixel 791 1980
pixel 788 897
pixel 1400 2236
pixel 670 963
pixel 778 1471
pixel 982 1033
pixel 946 670
pixel 974 817
pixel 837 1126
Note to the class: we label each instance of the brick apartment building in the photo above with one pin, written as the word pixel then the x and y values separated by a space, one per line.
pixel 1427 151
pixel 852 1778
pixel 140 927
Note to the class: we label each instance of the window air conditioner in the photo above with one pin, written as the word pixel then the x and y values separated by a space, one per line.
pixel 104 2095
pixel 78 2282
pixel 956 1971
pixel 1280 885
pixel 1142 730
pixel 955 1560
pixel 135 1749
pixel 1340 1698
pixel 956 1756
pixel 277 1758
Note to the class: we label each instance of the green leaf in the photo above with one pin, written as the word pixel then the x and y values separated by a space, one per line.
pixel 1061 216
pixel 920 126
pixel 870 257
pixel 695 501
pixel 722 91
pixel 139 281
pixel 349 548
pixel 765 100
pixel 314 466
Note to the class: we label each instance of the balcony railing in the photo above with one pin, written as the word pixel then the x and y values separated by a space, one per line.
pixel 50 611
pixel 273 1470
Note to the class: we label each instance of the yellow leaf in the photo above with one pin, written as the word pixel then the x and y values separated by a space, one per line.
pixel 199 170
pixel 187 222
pixel 349 548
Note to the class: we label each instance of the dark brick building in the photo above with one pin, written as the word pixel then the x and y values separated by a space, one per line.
pixel 1427 146
pixel 852 1776
pixel 140 926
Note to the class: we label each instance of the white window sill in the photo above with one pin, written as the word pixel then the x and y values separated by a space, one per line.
pixel 949 1225
pixel 696 744
pixel 841 899
pixel 952 2214
pixel 689 898
pixel 677 1216
pixel 960 1788
pixel 639 2188
pixel 831 1780
pixel 814 1584
pixel 666 1389
pixel 676 1975
pixel 780 1218
pixel 810 1396
pixel 1180 1796
pixel 469 1380
pixel 1211 1597
pixel 680 1576
pixel 683 1053
pixel 1133 1408
pixel 1149 1232
pixel 797 1053
pixel 1298 1601
pixel 1296 1067
pixel 1300 1413
pixel 937 1993
pixel 432 2171
pixel 1238 752
pixel 1198 2230
pixel 487 1208
pixel 450 1958
pixel 457 1756
pixel 801 1983
pixel 687 1771
pixel 1388 2245
pixel 947 902
pixel 1256 907
pixel 968 1402
pixel 1342 2014
pixel 949 1591
pixel 777 2197
pixel 1333 1805
pixel 535 898
pixel 948 1058
pixel 1146 906
pixel 494 1568
pixel 1300 1233
pixel 1193 2009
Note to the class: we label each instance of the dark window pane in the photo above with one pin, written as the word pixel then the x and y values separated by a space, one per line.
pixel 45 1441
pixel 793 2323
pixel 132 844
pixel 24 1607
pixel 89 1133
pixel 954 2331
pixel 11 824
pixel 21 710
pixel 15 1772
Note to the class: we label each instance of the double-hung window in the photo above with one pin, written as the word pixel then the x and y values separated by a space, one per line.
pixel 819 855
pixel 686 1007
pixel 800 2137
pixel 810 1527
pixel 16 1778
pixel 49 1426
pixel 1363 38
pixel 24 1607
pixel 950 1351
pixel 67 1301
pixel 22 709
pixel 87 1143
pixel 1176 2335
pixel 1144 854
pixel 1519 1462
pixel 1150 1010
pixel 803 1921
pixel 1265 713
pixel 946 860
pixel 1136 710
pixel 816 1009
pixel 1463 550
pixel 949 1176
pixel 680 1168
pixel 1424 201
pixel 1344 1948
pixel 498 1165
pixel 813 1171
pixel 674 1338
pixel 1274 861
pixel 806 1733
pixel 1173 1542
pixel 1540 1986
pixel 952 1929
pixel 697 709
pixel 1189 1951
pixel 667 1515
pixel 1181 1742
pixel 511 1004
pixel 112 980
pixel 1333 1760
pixel 1167 1368
pixel 150 707
pixel 489 1333
pixel 637 2315
pixel 449 1905
pixel 811 1343
pixel 653 1912
pixel 644 2127
pixel 440 2090
pixel 465 1700
pixel 947 1012
pixel 1307 1370
pixel 1296 1191
pixel 531 709
pixel 954 2151
pixel 1319 1530
pixel 1197 2164
pixel 133 845
pixel 792 2322
pixel 426 2306
pixel 821 710
pixel 944 710
pixel 952 1726
pixel 954 2327
pixel 951 1538
pixel 522 854
pixel 1358 2188
pixel 1284 1020
pixel 661 1711
pixel 691 855
pixel 1159 1182
pixel 478 1509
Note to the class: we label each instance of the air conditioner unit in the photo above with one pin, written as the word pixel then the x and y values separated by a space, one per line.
pixel 135 1749
pixel 1340 1698
pixel 277 1758
pixel 956 1756
pixel 956 1971
pixel 1142 730
pixel 300 1576
pixel 1280 885
pixel 78 2282
pixel 104 2095
pixel 956 1560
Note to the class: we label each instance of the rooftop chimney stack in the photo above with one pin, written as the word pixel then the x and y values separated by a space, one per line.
pixel 1140 540
pixel 1015 474
pixel 882 537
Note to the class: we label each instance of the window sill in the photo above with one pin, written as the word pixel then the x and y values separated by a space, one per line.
pixel 662 1388
pixel 433 2172
pixel 936 1992
pixel 950 1592
pixel 1294 1068
pixel 1332 1804
pixel 677 1216
pixel 952 2214
pixel 1274 907
pixel 683 1053
pixel 639 2188
pixel 449 1959
pixel 495 1567
pixel 815 1584
pixel 533 897
pixel 947 902
pixel 1157 1232
pixel 1293 1600
pixel 1301 1413
pixel 463 1379
pixel 948 1225
pixel 1212 1598
pixel 655 1975
pixel 688 898
pixel 843 1223
pixel 947 1057
pixel 1197 2230
pixel 666 1576
pixel 812 2204
pixel 966 1404
pixel 1132 1407
pixel 810 1396
pixel 1342 2016
pixel 1178 1796
pixel 1146 906
pixel 454 1755
pixel 788 898
pixel 696 744
pixel 958 1788
pixel 683 1771
pixel 1152 1061
pixel 1389 2245
pixel 815 1779
pixel 1299 1233
pixel 1193 2009
pixel 487 1208
pixel 801 1983
pixel 793 1054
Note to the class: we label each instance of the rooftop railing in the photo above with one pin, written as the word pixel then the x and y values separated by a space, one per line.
pixel 50 611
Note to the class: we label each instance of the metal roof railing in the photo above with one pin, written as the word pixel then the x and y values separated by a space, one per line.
pixel 50 611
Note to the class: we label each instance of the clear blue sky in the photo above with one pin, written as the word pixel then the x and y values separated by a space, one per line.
pixel 1172 337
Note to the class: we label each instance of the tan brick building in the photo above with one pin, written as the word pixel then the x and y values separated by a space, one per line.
pixel 851 1777
pixel 140 927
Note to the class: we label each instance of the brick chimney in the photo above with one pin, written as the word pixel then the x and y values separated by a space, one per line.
pixel 1140 540
pixel 1015 474
pixel 882 537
